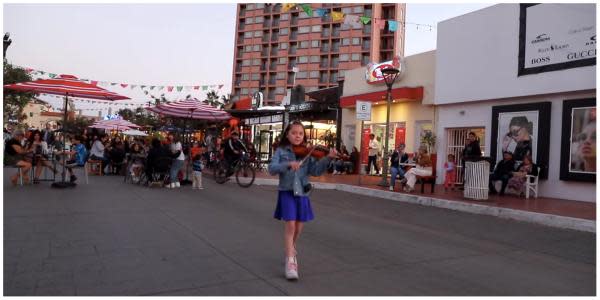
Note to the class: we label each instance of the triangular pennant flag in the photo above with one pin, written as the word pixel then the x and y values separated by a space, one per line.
pixel 379 23
pixel 196 87
pixel 220 86
pixel 52 75
pixel 179 88
pixel 351 19
pixel 169 88
pixel 392 25
pixel 287 6
pixel 143 86
pixel 133 86
pixel 42 72
pixel 365 20
pixel 337 15
pixel 151 87
pixel 204 87
pixel 320 12
pixel 160 88
pixel 146 92
pixel 124 85
pixel 307 9
pixel 113 83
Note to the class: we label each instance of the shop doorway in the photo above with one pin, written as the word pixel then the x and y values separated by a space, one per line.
pixel 264 141
pixel 456 140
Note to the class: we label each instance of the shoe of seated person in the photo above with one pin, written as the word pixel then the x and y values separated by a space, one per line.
pixel 73 178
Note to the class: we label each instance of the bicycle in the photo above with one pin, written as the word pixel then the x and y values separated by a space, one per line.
pixel 243 170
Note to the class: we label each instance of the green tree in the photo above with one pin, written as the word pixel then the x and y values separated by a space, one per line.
pixel 78 125
pixel 212 99
pixel 15 101
pixel 127 114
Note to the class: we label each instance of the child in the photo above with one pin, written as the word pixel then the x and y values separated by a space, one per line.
pixel 80 156
pixel 450 177
pixel 293 204
pixel 197 166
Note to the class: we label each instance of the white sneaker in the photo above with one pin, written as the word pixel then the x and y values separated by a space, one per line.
pixel 177 184
pixel 291 268
pixel 170 185
pixel 200 188
pixel 391 188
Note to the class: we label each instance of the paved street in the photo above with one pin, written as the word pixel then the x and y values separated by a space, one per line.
pixel 111 238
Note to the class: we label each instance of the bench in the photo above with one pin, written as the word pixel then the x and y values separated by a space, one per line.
pixel 429 179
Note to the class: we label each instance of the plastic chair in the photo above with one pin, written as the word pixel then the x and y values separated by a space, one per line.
pixel 532 184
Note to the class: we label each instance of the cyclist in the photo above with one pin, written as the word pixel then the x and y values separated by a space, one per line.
pixel 233 151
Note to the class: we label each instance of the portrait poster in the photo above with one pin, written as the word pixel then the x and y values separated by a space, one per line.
pixel 578 151
pixel 522 129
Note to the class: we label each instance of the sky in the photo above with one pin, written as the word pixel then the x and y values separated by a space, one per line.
pixel 155 44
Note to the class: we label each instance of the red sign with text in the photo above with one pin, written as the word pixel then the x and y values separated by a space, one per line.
pixel 400 136
pixel 364 148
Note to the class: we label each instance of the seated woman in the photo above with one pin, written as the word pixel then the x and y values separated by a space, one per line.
pixel 40 151
pixel 15 155
pixel 424 168
pixel 137 156
pixel 340 162
pixel 516 184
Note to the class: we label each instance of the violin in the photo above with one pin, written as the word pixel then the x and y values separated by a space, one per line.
pixel 302 151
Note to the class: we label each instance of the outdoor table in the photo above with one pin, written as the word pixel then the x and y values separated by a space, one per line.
pixel 407 165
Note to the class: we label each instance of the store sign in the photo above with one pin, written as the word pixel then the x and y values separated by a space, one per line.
pixel 373 73
pixel 556 36
pixel 264 119
pixel 301 107
pixel 113 117
pixel 363 110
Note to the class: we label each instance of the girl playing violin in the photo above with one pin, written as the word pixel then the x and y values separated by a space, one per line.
pixel 294 163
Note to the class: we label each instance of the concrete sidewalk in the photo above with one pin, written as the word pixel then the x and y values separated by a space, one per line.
pixel 557 213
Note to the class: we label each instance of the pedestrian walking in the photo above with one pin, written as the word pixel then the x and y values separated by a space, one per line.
pixel 293 204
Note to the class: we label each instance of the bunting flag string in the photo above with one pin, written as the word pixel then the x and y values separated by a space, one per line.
pixel 350 19
pixel 130 86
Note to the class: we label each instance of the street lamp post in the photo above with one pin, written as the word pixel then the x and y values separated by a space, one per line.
pixel 389 75
pixel 6 42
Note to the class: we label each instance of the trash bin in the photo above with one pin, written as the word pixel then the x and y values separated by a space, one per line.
pixel 477 177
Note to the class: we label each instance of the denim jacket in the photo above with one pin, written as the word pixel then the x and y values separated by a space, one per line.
pixel 290 180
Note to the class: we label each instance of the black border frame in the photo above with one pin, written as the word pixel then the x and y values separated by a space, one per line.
pixel 543 131
pixel 547 68
pixel 565 150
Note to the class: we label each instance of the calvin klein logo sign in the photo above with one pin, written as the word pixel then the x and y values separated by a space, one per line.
pixel 541 38
pixel 592 41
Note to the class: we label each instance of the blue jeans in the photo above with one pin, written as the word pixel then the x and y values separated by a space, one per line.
pixel 175 167
pixel 395 172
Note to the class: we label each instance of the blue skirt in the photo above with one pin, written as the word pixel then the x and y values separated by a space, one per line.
pixel 293 208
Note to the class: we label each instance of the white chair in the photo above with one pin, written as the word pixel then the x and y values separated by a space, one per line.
pixel 531 184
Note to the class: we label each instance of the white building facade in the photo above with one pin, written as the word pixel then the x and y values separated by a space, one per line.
pixel 508 63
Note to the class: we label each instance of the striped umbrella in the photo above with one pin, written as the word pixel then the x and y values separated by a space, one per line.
pixel 190 108
pixel 114 125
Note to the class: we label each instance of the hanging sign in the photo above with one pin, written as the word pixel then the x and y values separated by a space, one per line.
pixel 363 110
pixel 373 74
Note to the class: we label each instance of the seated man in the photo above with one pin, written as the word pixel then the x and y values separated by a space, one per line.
pixel 80 156
pixel 157 154
pixel 117 156
pixel 398 157
pixel 503 172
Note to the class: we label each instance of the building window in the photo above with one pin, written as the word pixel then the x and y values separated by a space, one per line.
pixel 248 48
pixel 260 5
pixel 285 17
pixel 245 77
pixel 304 45
pixel 282 60
pixel 256 62
pixel 345 41
pixel 355 41
pixel 255 76
pixel 304 29
pixel 280 75
pixel 355 56
pixel 304 15
pixel 246 62
pixel 284 31
pixel 301 75
pixel 316 28
pixel 315 59
pixel 250 7
pixel 256 48
pixel 258 20
pixel 347 10
pixel 314 74
pixel 344 57
pixel 249 20
pixel 284 46
pixel 358 9
pixel 244 92
pixel 303 59
pixel 258 33
pixel 315 44
pixel 248 34
pixel 279 90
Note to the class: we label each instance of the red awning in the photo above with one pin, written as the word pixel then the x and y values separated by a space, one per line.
pixel 415 94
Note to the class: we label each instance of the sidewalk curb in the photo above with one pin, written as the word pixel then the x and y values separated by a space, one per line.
pixel 506 213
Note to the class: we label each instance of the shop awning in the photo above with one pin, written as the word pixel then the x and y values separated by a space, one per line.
pixel 412 94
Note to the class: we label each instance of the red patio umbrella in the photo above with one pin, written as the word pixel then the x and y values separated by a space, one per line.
pixel 68 86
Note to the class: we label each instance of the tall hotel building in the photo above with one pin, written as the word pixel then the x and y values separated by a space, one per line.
pixel 269 43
